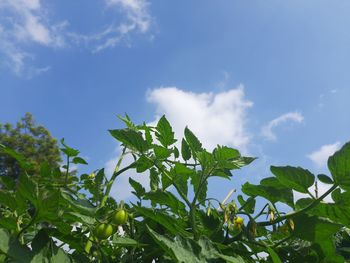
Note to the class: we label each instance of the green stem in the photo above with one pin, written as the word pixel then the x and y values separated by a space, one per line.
pixel 295 213
pixel 114 176
pixel 67 171
pixel 261 212
pixel 193 222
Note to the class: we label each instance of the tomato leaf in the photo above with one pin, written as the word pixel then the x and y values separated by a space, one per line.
pixel 79 160
pixel 185 150
pixel 165 134
pixel 131 139
pixel 192 141
pixel 296 178
pixel 271 193
pixel 325 179
pixel 339 165
pixel 139 189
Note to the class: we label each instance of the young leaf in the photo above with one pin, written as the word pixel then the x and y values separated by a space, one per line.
pixel 127 121
pixel 161 152
pixel 325 179
pixel 185 150
pixel 224 155
pixel 79 160
pixel 180 174
pixel 192 141
pixel 68 150
pixel 143 164
pixel 139 190
pixel 164 133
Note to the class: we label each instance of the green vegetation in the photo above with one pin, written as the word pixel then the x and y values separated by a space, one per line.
pixel 33 142
pixel 173 219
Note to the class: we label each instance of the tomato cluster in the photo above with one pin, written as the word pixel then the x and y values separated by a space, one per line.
pixel 104 231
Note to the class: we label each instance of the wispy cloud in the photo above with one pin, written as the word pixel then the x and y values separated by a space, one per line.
pixel 267 130
pixel 25 22
pixel 320 156
pixel 137 19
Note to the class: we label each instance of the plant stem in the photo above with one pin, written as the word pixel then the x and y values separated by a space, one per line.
pixel 67 171
pixel 114 176
pixel 261 212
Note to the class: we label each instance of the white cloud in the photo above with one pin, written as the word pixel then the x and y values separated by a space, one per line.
pixel 320 156
pixel 267 130
pixel 215 118
pixel 24 22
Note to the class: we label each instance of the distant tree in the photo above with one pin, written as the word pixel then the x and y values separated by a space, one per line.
pixel 33 141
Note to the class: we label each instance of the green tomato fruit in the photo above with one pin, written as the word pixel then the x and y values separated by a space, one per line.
pixel 238 220
pixel 120 217
pixel 103 231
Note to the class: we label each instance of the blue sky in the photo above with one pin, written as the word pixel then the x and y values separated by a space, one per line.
pixel 268 77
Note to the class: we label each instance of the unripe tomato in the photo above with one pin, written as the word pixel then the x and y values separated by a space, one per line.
pixel 120 217
pixel 238 220
pixel 103 231
pixel 91 176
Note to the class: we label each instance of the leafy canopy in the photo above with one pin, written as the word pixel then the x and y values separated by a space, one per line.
pixel 51 214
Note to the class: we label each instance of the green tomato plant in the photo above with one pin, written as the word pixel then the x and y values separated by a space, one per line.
pixel 56 216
